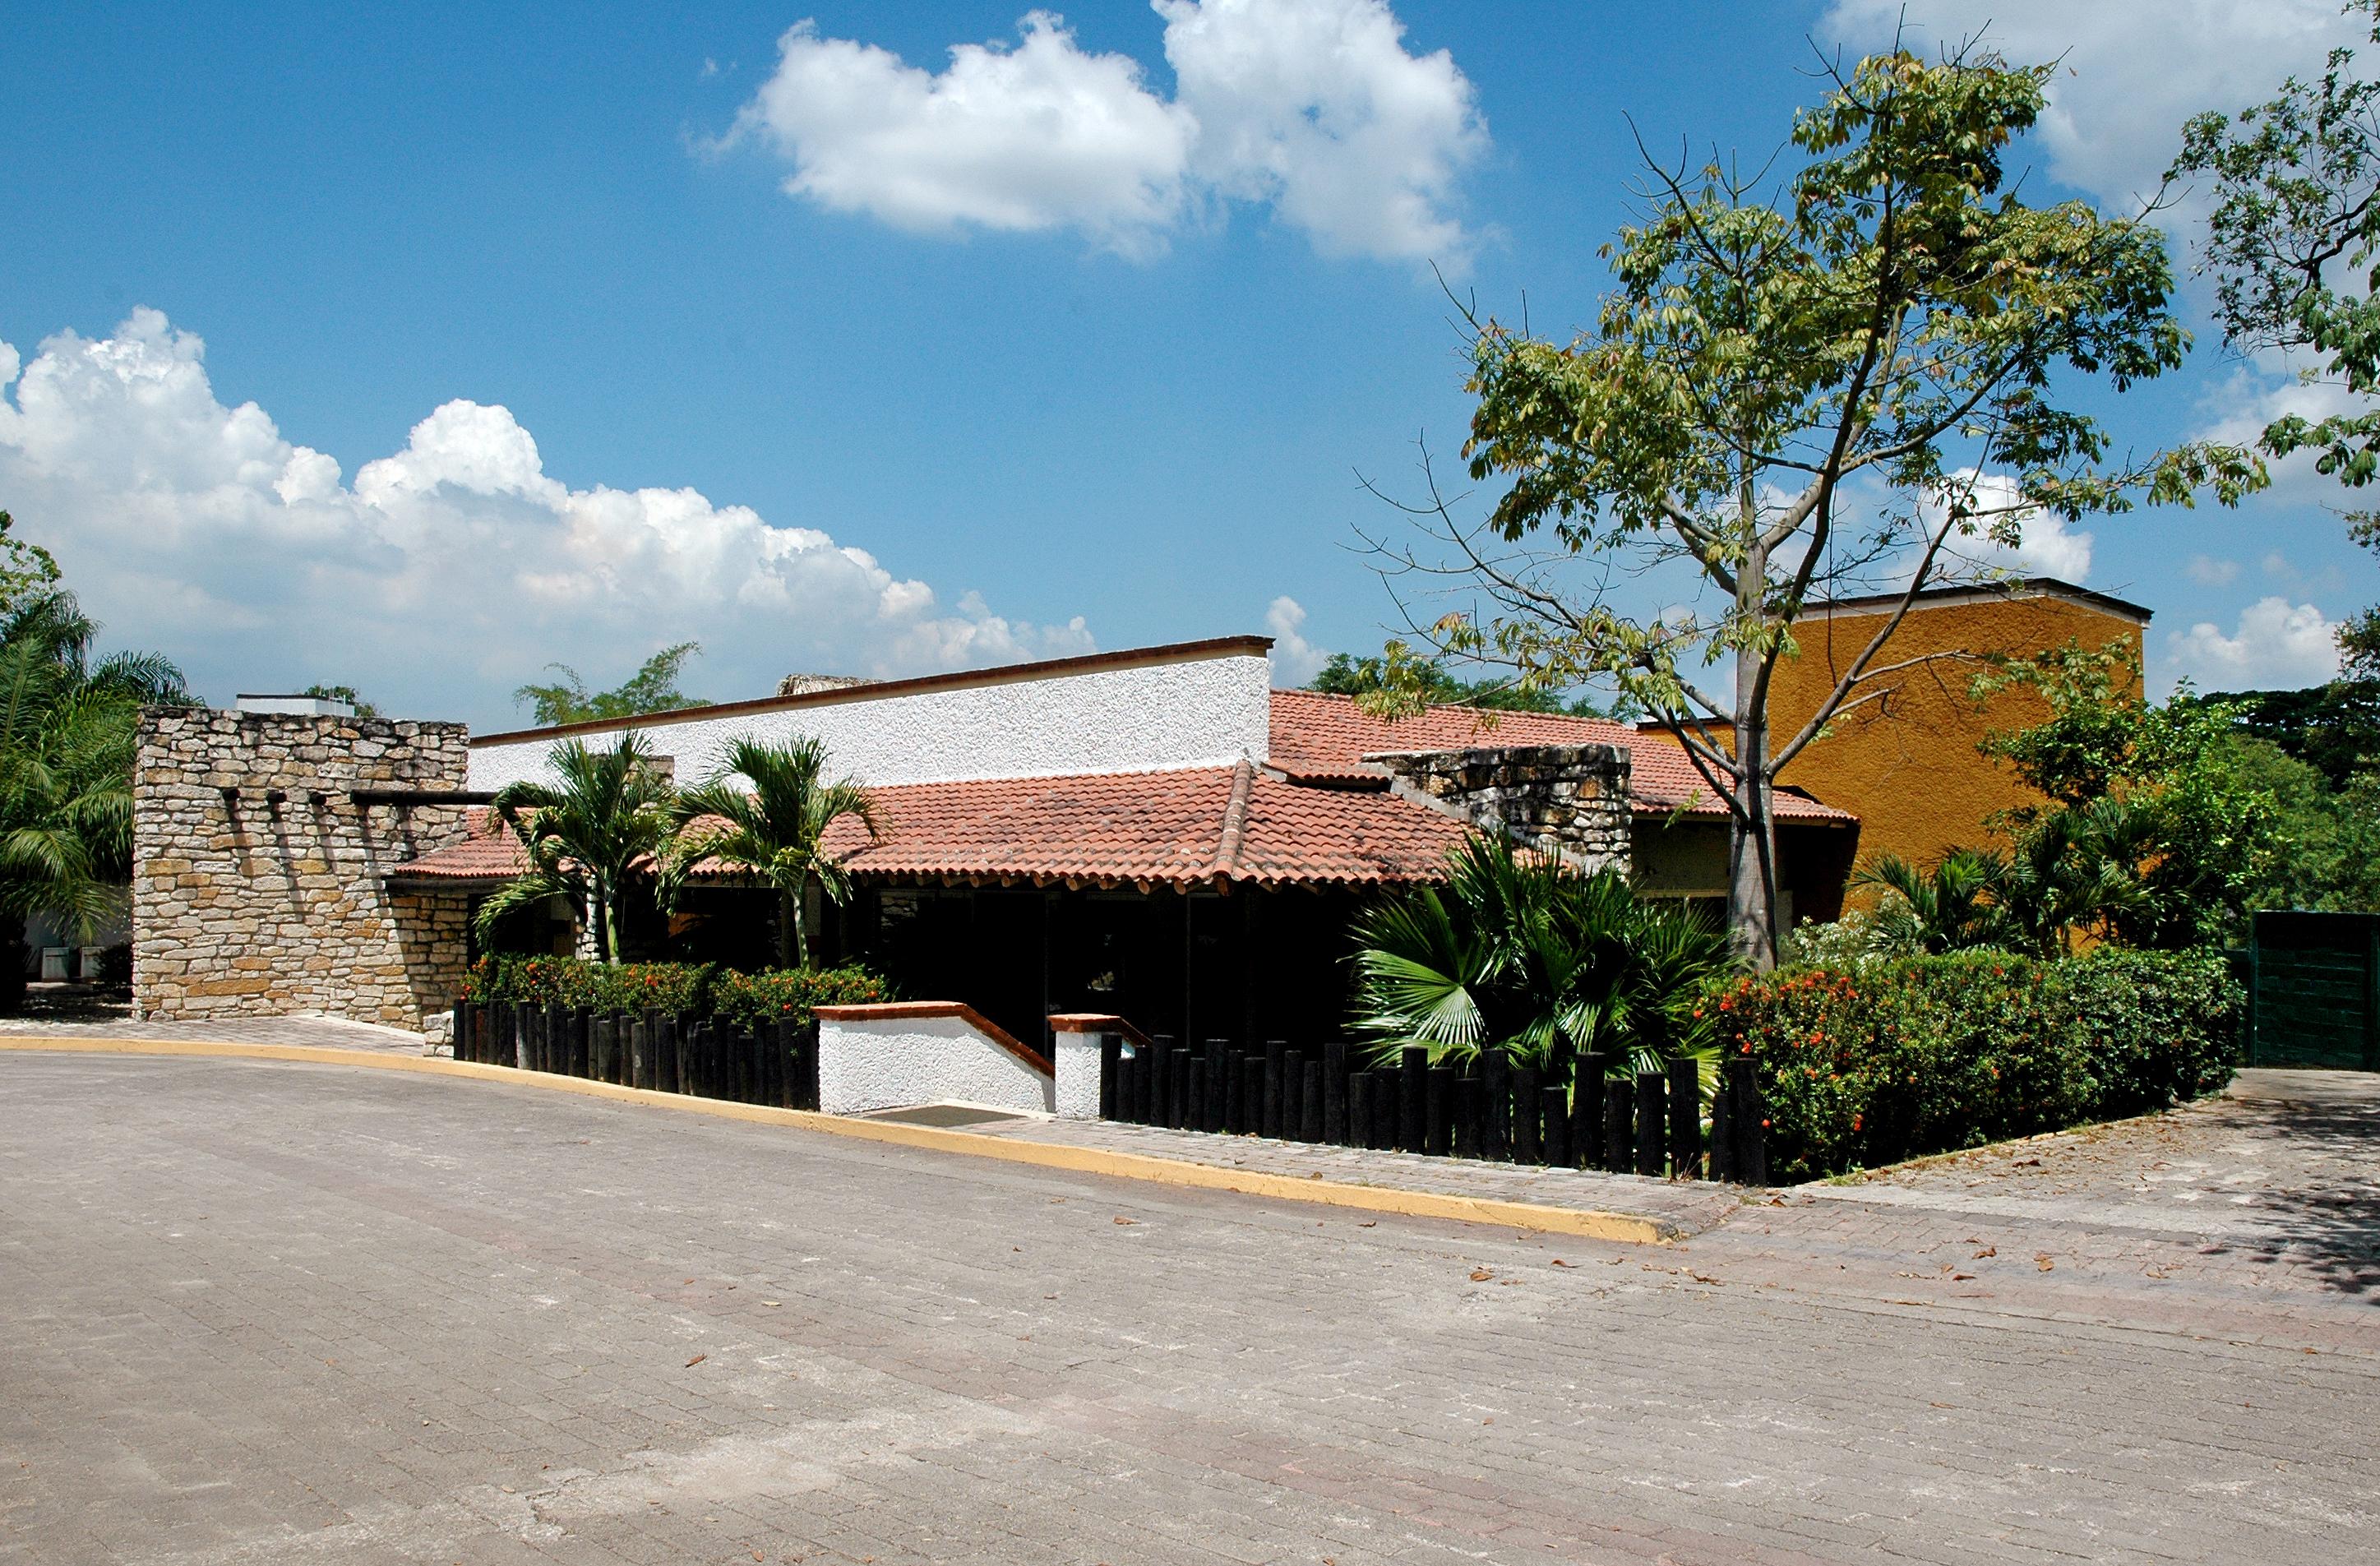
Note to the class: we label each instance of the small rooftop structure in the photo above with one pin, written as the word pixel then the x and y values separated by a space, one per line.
pixel 299 705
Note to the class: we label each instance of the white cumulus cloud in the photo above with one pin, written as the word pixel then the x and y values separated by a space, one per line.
pixel 2277 644
pixel 1294 660
pixel 1314 108
pixel 447 572
pixel 2048 545
pixel 2130 75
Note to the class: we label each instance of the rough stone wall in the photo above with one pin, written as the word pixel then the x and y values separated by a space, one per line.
pixel 259 880
pixel 1571 799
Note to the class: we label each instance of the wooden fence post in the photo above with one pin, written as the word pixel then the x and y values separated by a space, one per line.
pixel 1685 1118
pixel 1619 1128
pixel 1555 1107
pixel 1292 1093
pixel 1268 1123
pixel 1161 1081
pixel 1587 1108
pixel 1413 1097
pixel 1437 1111
pixel 1334 1092
pixel 1236 1091
pixel 1750 1117
pixel 1195 1119
pixel 1111 1059
pixel 1309 1104
pixel 1495 1135
pixel 1470 1116
pixel 1528 1097
pixel 1722 1150
pixel 1652 1148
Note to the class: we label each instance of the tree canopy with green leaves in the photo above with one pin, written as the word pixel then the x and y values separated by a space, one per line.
pixel 1845 369
pixel 2293 244
pixel 1346 674
pixel 69 731
pixel 652 689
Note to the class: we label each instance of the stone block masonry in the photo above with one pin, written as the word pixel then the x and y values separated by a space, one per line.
pixel 1569 800
pixel 259 875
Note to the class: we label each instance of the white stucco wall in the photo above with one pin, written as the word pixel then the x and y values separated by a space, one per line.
pixel 1076 1092
pixel 1206 710
pixel 896 1061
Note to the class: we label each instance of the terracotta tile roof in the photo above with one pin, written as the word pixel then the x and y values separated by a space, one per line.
pixel 1327 737
pixel 487 853
pixel 1200 825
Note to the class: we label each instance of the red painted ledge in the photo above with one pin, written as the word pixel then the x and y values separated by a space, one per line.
pixel 1098 1022
pixel 922 1011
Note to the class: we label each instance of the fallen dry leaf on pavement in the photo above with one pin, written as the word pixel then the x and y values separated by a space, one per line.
pixel 1481 1275
pixel 698 1359
pixel 1987 1251
pixel 2045 1262
pixel 773 1303
pixel 1122 1219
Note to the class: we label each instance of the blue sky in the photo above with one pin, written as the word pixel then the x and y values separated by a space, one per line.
pixel 1128 406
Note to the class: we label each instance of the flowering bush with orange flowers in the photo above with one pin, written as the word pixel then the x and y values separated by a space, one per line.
pixel 737 1000
pixel 1881 1060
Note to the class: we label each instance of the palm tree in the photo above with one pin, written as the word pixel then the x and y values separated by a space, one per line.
pixel 771 830
pixel 1528 954
pixel 585 835
pixel 1956 905
pixel 69 732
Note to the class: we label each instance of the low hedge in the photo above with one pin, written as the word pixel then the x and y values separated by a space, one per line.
pixel 1868 1063
pixel 737 1000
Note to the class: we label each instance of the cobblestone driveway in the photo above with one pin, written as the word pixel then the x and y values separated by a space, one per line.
pixel 260 1313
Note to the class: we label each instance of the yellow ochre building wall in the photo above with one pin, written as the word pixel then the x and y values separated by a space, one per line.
pixel 1907 764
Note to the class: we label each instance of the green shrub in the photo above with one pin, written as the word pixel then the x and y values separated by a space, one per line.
pixel 742 1000
pixel 1882 1060
pixel 738 999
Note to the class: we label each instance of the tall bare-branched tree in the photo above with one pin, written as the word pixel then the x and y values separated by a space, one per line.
pixel 1847 370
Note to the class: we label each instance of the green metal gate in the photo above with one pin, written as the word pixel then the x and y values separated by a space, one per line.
pixel 2313 990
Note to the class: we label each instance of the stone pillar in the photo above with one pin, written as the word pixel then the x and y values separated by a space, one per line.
pixel 259 879
pixel 1566 799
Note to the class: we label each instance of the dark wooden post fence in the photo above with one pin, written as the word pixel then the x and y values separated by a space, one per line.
pixel 1438 1120
pixel 1528 1101
pixel 1652 1147
pixel 1748 1118
pixel 1554 1105
pixel 1496 1130
pixel 1685 1119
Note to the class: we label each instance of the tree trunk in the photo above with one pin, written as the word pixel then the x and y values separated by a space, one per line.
pixel 788 929
pixel 1752 841
pixel 801 931
pixel 605 946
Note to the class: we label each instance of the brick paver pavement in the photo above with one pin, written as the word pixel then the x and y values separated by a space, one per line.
pixel 261 1313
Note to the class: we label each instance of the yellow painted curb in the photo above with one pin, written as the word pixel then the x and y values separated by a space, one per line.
pixel 1584 1222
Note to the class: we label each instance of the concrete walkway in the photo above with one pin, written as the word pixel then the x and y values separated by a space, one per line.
pixel 321 1032
pixel 1680 1207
